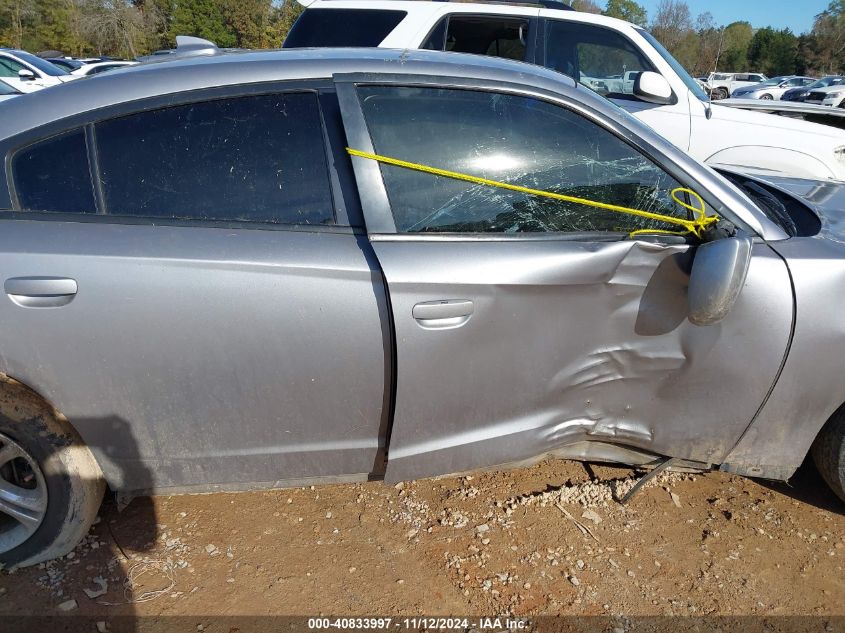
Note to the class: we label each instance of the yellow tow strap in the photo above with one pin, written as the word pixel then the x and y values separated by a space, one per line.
pixel 695 226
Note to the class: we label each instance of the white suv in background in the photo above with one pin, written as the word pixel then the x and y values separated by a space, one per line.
pixel 29 73
pixel 601 53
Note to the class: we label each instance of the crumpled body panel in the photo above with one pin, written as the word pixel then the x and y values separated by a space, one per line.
pixel 569 342
pixel 810 388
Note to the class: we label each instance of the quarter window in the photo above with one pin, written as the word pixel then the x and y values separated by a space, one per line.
pixel 599 58
pixel 480 35
pixel 53 175
pixel 252 159
pixel 514 139
pixel 342 27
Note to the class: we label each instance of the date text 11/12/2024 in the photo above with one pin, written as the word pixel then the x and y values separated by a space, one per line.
pixel 420 623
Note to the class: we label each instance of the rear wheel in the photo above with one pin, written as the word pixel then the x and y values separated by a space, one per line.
pixel 720 93
pixel 767 97
pixel 50 484
pixel 829 453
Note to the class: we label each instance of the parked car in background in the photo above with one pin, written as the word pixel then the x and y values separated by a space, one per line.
pixel 603 54
pixel 95 68
pixel 801 94
pixel 29 73
pixel 382 322
pixel 832 95
pixel 722 85
pixel 772 89
pixel 67 63
pixel 7 91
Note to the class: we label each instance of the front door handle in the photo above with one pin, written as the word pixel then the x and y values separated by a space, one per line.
pixel 41 292
pixel 445 313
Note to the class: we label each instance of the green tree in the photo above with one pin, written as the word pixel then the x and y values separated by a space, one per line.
pixel 202 18
pixel 627 10
pixel 774 52
pixel 585 6
pixel 733 56
pixel 828 38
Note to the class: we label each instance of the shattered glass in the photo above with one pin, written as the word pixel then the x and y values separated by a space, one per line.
pixel 513 139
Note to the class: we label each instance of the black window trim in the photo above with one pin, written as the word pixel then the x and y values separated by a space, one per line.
pixel 347 219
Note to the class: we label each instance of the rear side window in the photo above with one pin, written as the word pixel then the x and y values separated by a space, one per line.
pixel 53 175
pixel 254 159
pixel 519 140
pixel 480 35
pixel 342 27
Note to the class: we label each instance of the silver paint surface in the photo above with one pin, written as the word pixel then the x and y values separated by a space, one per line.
pixel 220 357
pixel 568 342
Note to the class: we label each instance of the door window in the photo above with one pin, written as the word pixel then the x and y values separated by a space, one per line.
pixel 251 159
pixel 599 58
pixel 514 139
pixel 9 67
pixel 481 35
pixel 53 175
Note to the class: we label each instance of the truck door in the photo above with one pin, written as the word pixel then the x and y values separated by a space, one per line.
pixel 604 60
pixel 525 325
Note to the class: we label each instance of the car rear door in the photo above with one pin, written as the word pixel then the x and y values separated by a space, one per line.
pixel 525 325
pixel 207 313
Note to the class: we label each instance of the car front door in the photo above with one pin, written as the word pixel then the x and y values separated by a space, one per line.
pixel 526 325
pixel 10 69
pixel 205 313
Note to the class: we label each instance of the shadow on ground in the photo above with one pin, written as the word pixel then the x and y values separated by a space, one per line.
pixel 807 486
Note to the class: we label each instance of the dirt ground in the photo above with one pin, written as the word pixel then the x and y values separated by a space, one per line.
pixel 543 540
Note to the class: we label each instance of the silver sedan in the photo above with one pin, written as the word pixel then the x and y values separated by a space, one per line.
pixel 772 88
pixel 267 269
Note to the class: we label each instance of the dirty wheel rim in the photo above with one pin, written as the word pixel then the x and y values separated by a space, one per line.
pixel 23 494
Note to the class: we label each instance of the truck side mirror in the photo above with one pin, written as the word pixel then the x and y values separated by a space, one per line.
pixel 718 274
pixel 653 88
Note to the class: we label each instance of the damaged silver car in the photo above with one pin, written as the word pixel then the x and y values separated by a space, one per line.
pixel 266 269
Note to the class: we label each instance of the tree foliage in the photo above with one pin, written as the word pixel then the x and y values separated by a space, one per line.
pixel 128 28
pixel 627 10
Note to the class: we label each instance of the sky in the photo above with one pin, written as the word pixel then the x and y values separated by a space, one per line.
pixel 798 15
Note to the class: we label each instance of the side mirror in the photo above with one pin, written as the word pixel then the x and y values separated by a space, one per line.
pixel 653 87
pixel 718 275
pixel 26 74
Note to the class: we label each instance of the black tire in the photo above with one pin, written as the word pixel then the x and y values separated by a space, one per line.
pixel 720 93
pixel 829 453
pixel 73 480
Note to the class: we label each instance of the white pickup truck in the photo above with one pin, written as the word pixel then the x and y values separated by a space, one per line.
pixel 600 52
pixel 722 85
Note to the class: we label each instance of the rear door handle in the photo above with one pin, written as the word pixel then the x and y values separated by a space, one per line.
pixel 444 313
pixel 41 292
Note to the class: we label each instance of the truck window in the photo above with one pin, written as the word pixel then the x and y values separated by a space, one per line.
pixel 599 58
pixel 342 27
pixel 481 35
